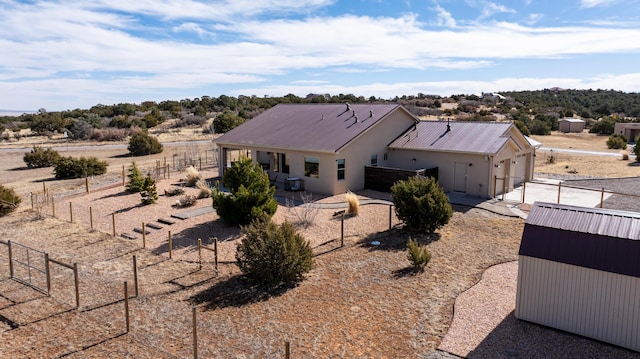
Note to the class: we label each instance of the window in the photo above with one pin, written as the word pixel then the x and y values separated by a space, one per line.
pixel 341 169
pixel 374 160
pixel 276 162
pixel 312 167
pixel 386 156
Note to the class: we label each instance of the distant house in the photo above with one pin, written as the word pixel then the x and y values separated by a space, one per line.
pixel 579 271
pixel 327 148
pixel 630 130
pixel 569 124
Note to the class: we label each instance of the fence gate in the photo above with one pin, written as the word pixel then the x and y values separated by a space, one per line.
pixel 29 266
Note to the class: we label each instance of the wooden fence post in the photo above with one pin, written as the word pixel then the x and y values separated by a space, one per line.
pixel 91 217
pixel 32 200
pixel 86 184
pixel 390 214
pixel 195 332
pixel 47 273
pixel 135 274
pixel 559 186
pixel 215 252
pixel 10 260
pixel 199 254
pixel 53 208
pixel 113 223
pixel 170 245
pixel 77 284
pixel 70 212
pixel 524 189
pixel 123 175
pixel 287 350
pixel 126 305
pixel 602 197
pixel 342 230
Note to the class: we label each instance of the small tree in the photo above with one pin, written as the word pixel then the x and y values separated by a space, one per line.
pixel 149 191
pixel 617 141
pixel 136 179
pixel 251 194
pixel 273 255
pixel 418 255
pixel 142 144
pixel 636 149
pixel 9 201
pixel 421 204
pixel 40 157
pixel 69 167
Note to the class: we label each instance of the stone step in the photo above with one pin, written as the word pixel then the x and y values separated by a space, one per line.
pixel 128 236
pixel 166 221
pixel 139 230
pixel 152 226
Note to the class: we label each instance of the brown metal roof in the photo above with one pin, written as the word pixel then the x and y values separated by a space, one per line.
pixel 462 136
pixel 602 239
pixel 310 127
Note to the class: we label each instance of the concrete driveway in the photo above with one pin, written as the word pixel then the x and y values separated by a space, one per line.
pixel 546 190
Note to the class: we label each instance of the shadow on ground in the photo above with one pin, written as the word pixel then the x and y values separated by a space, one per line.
pixel 517 338
pixel 206 231
pixel 234 292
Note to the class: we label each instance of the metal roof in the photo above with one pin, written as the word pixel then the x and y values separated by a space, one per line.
pixel 309 127
pixel 569 119
pixel 456 136
pixel 602 239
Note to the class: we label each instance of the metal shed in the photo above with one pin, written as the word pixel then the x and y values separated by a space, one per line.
pixel 571 125
pixel 579 271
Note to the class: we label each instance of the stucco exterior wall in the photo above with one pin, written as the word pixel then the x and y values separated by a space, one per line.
pixel 596 304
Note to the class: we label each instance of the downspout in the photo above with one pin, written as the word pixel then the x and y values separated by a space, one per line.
pixel 490 182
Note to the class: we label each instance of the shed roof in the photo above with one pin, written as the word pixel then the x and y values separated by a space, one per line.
pixel 596 238
pixel 310 127
pixel 574 120
pixel 456 136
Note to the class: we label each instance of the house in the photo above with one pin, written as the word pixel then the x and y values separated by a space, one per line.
pixel 578 271
pixel 326 148
pixel 630 130
pixel 325 145
pixel 483 159
pixel 569 124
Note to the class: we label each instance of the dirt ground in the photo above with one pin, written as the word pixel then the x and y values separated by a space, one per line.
pixel 359 300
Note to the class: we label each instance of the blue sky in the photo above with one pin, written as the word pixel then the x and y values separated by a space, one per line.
pixel 67 54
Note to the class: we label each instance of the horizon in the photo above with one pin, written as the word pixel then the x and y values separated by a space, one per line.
pixel 76 54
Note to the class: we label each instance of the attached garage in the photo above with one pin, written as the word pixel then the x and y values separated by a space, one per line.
pixel 579 271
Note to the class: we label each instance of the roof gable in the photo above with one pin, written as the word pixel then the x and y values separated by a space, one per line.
pixel 310 127
pixel 601 239
pixel 458 136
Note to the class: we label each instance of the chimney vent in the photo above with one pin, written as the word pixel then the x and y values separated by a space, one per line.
pixel 348 108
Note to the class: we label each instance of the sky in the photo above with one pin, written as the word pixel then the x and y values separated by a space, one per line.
pixel 66 54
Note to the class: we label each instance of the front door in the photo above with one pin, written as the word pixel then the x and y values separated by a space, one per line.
pixel 460 177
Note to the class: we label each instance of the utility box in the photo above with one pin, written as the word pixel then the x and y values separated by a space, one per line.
pixel 294 184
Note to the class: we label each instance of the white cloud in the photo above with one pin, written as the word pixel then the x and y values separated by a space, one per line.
pixel 594 3
pixel 490 8
pixel 444 17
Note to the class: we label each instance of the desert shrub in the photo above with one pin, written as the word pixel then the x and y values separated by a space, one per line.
pixel 421 204
pixel 136 179
pixel 192 176
pixel 40 157
pixel 108 134
pixel 251 195
pixel 9 201
pixel 149 191
pixel 142 144
pixel 187 200
pixel 69 167
pixel 354 204
pixel 305 214
pixel 617 141
pixel 81 130
pixel 418 255
pixel 226 121
pixel 174 192
pixel 273 255
pixel 539 127
pixel 205 190
pixel 625 156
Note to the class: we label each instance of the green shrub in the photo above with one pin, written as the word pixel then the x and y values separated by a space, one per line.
pixel 142 144
pixel 69 167
pixel 418 255
pixel 251 194
pixel 421 204
pixel 636 149
pixel 149 191
pixel 9 201
pixel 273 255
pixel 174 192
pixel 136 179
pixel 40 157
pixel 617 141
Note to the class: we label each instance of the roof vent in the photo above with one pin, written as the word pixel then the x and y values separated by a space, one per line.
pixel 356 116
pixel 448 126
pixel 348 108
pixel 370 113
